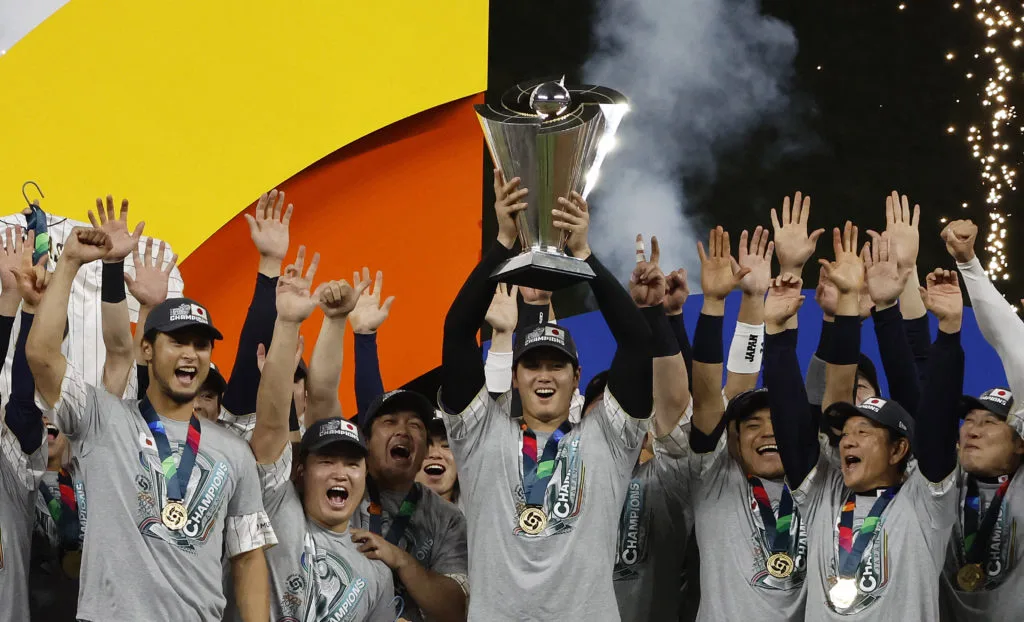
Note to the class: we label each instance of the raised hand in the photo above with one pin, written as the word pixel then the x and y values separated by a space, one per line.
pixel 826 294
pixel 369 313
pixel 943 298
pixel 338 298
pixel 901 225
pixel 647 285
pixel 759 260
pixel 719 272
pixel 532 296
pixel 847 271
pixel 261 353
pixel 294 301
pixel 149 285
pixel 885 277
pixel 503 314
pixel 792 243
pixel 783 301
pixel 574 219
pixel 31 281
pixel 11 256
pixel 86 245
pixel 507 206
pixel 678 290
pixel 268 226
pixel 122 242
pixel 959 237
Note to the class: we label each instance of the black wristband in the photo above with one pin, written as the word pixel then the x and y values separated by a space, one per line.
pixel 112 283
pixel 846 340
pixel 707 340
pixel 824 351
pixel 663 342
pixel 531 314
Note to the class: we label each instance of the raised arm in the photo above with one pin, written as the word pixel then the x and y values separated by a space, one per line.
pixel 366 319
pixel 22 415
pixel 462 366
pixel 744 364
pixel 901 223
pixel 43 346
pixel 792 419
pixel 274 396
pixel 115 322
pixel 886 280
pixel 12 260
pixel 675 297
pixel 336 299
pixel 847 273
pixel 935 437
pixel 503 317
pixel 719 275
pixel 149 287
pixel 269 230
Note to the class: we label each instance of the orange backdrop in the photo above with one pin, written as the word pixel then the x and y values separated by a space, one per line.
pixel 405 200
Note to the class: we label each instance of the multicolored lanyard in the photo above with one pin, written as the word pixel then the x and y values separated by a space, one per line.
pixel 176 476
pixel 537 473
pixel 852 550
pixel 776 528
pixel 405 512
pixel 977 532
pixel 64 510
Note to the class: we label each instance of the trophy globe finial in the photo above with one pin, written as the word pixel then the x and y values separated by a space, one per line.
pixel 550 99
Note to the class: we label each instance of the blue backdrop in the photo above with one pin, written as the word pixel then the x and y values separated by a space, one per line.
pixel 596 346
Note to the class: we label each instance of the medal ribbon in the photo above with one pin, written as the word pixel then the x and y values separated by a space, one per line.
pixel 400 522
pixel 850 550
pixel 976 536
pixel 537 473
pixel 64 510
pixel 776 529
pixel 175 476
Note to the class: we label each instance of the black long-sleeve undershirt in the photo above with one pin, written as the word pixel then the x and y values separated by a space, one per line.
pixel 919 335
pixel 796 432
pixel 936 421
pixel 678 325
pixel 897 358
pixel 708 348
pixel 22 416
pixel 368 382
pixel 240 392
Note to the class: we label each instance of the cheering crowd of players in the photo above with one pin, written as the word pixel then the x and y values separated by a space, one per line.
pixel 165 491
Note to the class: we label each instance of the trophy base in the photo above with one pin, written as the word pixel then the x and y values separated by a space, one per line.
pixel 542 270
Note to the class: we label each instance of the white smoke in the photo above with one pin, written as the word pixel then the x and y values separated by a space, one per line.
pixel 700 75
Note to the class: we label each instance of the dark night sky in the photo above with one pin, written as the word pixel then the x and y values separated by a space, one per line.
pixel 874 117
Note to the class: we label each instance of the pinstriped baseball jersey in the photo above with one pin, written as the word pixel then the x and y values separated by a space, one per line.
pixel 84 345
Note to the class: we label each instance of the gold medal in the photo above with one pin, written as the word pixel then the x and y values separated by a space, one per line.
pixel 71 563
pixel 780 565
pixel 533 520
pixel 843 593
pixel 970 577
pixel 174 515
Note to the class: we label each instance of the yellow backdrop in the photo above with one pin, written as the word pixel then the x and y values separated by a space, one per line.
pixel 191 109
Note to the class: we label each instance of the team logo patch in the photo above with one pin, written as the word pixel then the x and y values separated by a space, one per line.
pixel 873 403
pixel 190 312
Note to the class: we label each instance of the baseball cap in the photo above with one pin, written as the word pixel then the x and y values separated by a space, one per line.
pixel 396 401
pixel 866 368
pixel 327 432
pixel 175 313
pixel 544 336
pixel 998 401
pixel 215 381
pixel 746 404
pixel 884 412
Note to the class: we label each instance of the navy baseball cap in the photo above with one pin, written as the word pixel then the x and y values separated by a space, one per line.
pixel 176 313
pixel 215 381
pixel 998 401
pixel 397 401
pixel 545 336
pixel 883 412
pixel 327 432
pixel 744 405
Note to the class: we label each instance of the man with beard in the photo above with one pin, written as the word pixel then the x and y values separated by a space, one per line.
pixel 878 531
pixel 400 522
pixel 542 495
pixel 173 523
pixel 982 578
pixel 316 573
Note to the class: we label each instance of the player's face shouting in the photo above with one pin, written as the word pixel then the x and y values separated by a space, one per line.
pixel 332 485
pixel 755 445
pixel 180 362
pixel 397 444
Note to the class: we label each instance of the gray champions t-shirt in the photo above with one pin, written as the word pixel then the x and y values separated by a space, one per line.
pixel 435 536
pixel 19 481
pixel 734 547
pixel 564 572
pixel 898 578
pixel 133 567
pixel 1002 595
pixel 317 575
pixel 651 545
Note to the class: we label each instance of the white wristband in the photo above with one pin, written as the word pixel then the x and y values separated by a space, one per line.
pixel 747 349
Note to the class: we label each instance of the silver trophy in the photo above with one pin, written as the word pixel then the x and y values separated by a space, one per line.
pixel 554 138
